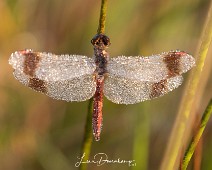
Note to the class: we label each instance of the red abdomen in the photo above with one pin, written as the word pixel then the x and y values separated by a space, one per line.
pixel 97 108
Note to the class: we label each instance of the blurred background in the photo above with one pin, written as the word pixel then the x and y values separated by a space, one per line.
pixel 39 133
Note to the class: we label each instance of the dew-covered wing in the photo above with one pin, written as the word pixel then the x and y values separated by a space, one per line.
pixel 62 77
pixel 127 91
pixel 51 67
pixel 152 68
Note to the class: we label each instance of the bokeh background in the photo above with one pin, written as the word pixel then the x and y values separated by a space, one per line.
pixel 39 133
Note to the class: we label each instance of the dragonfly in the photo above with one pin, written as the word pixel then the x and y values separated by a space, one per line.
pixel 122 79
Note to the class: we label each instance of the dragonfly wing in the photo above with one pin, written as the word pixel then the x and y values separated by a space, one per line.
pixel 77 89
pixel 64 77
pixel 152 68
pixel 126 91
pixel 51 67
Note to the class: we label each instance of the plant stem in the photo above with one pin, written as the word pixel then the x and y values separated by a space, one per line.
pixel 196 138
pixel 88 135
pixel 176 139
pixel 102 19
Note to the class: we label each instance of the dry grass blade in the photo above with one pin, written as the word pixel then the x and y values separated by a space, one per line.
pixel 175 143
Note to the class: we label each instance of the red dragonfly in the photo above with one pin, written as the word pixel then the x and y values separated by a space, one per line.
pixel 123 80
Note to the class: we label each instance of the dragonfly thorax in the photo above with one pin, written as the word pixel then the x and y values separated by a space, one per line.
pixel 101 43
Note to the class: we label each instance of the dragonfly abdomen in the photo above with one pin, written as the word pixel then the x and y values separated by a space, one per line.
pixel 97 107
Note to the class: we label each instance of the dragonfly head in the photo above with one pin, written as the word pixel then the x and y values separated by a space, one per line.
pixel 100 41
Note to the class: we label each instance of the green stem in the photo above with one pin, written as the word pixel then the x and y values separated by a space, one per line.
pixel 102 19
pixel 88 136
pixel 196 138
pixel 175 143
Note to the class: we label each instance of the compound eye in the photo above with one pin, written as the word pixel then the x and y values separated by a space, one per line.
pixel 106 41
pixel 95 41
